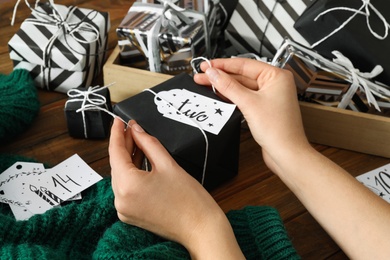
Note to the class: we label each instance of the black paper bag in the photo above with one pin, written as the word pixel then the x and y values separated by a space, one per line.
pixel 355 40
pixel 187 144
pixel 88 124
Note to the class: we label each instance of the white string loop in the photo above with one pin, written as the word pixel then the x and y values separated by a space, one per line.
pixel 366 6
pixel 358 79
pixel 196 71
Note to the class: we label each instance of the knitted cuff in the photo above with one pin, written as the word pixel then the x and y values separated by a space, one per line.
pixel 261 234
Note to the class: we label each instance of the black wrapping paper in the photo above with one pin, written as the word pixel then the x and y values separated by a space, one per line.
pixel 186 143
pixel 97 122
pixel 355 40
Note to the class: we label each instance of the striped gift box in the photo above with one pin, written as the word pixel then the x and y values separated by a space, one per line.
pixel 62 47
pixel 259 26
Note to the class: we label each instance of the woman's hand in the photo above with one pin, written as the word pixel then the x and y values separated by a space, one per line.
pixel 267 98
pixel 166 201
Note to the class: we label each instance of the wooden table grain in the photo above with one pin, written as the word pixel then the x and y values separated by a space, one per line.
pixel 47 140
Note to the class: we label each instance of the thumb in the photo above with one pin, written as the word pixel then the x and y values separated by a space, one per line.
pixel 228 86
pixel 152 148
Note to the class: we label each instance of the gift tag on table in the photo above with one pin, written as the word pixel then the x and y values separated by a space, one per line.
pixel 31 189
pixel 15 173
pixel 378 181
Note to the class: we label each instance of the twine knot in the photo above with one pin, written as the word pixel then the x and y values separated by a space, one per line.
pixel 90 100
pixel 358 79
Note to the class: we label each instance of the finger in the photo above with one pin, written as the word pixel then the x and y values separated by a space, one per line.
pixel 239 66
pixel 138 157
pixel 152 148
pixel 202 79
pixel 120 157
pixel 229 87
pixel 129 142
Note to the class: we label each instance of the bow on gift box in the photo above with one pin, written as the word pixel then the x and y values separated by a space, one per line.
pixel 81 31
pixel 366 6
pixel 90 100
pixel 172 14
pixel 64 26
pixel 340 66
pixel 358 79
pixel 172 22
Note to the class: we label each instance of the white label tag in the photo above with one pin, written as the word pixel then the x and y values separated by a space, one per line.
pixel 194 109
pixel 31 189
pixel 378 181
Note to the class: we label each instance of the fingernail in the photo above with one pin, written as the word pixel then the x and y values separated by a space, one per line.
pixel 137 128
pixel 212 74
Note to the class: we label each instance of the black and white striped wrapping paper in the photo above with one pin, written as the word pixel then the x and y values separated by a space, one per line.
pixel 260 26
pixel 70 62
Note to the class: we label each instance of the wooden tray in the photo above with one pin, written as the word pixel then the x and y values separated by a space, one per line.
pixel 340 128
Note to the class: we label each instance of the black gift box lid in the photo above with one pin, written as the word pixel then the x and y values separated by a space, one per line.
pixel 186 143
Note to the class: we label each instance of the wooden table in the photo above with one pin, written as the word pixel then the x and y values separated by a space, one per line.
pixel 47 140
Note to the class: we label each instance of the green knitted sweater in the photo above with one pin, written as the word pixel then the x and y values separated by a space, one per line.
pixel 90 229
pixel 19 104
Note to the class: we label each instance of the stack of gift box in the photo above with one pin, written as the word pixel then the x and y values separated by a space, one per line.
pixel 64 49
pixel 356 29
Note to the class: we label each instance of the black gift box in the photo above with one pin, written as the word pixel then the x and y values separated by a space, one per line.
pixel 355 40
pixel 91 123
pixel 185 143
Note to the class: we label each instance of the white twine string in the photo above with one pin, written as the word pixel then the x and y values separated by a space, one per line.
pixel 196 71
pixel 366 6
pixel 358 79
pixel 89 99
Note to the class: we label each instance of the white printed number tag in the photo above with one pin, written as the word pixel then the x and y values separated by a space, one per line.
pixel 31 189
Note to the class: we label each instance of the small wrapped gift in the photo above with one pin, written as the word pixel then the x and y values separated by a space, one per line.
pixel 86 112
pixel 167 37
pixel 260 26
pixel 329 82
pixel 198 129
pixel 62 47
pixel 358 29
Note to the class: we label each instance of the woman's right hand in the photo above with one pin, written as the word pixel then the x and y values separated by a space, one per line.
pixel 266 96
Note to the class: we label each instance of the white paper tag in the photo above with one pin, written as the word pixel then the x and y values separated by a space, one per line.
pixel 194 109
pixel 31 189
pixel 13 174
pixel 378 181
